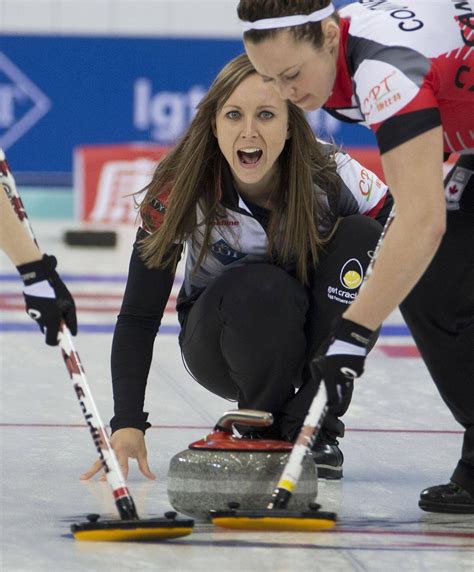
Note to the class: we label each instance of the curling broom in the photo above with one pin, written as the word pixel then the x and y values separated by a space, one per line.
pixel 277 516
pixel 129 527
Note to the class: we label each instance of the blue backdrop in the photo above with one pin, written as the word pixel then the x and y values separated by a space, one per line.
pixel 59 92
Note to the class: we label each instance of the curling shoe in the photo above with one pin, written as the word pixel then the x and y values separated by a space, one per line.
pixel 328 458
pixel 450 498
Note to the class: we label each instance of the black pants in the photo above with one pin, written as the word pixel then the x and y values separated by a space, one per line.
pixel 440 314
pixel 250 334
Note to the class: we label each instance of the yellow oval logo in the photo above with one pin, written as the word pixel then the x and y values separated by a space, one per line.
pixel 352 274
pixel 352 279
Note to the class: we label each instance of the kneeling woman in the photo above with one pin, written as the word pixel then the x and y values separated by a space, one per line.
pixel 278 236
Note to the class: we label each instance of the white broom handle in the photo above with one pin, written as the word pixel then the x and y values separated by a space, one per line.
pixel 97 429
pixel 292 471
pixel 314 418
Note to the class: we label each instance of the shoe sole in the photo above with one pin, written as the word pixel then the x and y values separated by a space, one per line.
pixel 329 472
pixel 446 507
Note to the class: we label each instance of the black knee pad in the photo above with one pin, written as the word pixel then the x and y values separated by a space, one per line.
pixel 358 226
pixel 348 255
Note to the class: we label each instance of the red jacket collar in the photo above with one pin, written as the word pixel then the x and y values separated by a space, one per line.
pixel 341 95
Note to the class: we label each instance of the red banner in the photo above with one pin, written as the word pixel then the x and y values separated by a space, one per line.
pixel 107 176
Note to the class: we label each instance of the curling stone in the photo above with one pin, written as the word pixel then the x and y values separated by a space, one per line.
pixel 224 468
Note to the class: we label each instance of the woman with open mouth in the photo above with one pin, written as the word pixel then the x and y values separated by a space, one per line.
pixel 278 235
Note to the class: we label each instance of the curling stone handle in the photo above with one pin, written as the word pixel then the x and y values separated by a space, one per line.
pixel 251 417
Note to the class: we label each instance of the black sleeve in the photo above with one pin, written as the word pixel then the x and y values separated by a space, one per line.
pixel 384 211
pixel 144 302
pixel 399 129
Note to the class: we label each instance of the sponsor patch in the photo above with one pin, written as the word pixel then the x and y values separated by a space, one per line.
pixel 382 90
pixel 351 277
pixel 226 222
pixel 367 182
pixel 156 211
pixel 455 187
pixel 352 274
pixel 224 253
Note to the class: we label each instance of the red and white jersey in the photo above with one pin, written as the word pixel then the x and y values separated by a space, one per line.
pixel 405 68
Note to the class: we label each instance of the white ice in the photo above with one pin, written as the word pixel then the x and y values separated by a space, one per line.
pixel 400 438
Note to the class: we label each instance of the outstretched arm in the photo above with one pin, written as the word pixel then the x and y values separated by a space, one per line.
pixel 143 306
pixel 14 238
pixel 144 302
pixel 48 301
pixel 414 175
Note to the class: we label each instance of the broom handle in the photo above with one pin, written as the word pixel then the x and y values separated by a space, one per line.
pixel 292 471
pixel 314 418
pixel 122 497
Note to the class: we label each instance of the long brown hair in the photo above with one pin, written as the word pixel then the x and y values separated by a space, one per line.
pixel 191 174
pixel 252 10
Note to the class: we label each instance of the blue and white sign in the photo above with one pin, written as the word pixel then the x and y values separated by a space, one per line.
pixel 22 103
pixel 59 92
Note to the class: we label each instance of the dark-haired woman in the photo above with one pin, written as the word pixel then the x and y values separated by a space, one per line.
pixel 406 70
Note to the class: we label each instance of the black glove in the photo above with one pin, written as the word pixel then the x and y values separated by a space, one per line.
pixel 340 361
pixel 47 299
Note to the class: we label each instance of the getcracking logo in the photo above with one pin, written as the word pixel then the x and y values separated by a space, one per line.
pixel 352 274
pixel 22 103
pixel 351 277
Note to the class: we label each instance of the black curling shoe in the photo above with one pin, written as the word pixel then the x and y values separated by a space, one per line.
pixel 449 498
pixel 328 458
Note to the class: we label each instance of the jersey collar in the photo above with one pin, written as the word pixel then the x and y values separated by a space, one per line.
pixel 341 95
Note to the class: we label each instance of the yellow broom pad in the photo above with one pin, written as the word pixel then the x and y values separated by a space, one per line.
pixel 131 534
pixel 275 523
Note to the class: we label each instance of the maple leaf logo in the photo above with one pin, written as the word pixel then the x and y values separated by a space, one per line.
pixel 453 189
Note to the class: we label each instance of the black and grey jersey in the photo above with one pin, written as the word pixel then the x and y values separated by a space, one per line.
pixel 239 234
pixel 238 237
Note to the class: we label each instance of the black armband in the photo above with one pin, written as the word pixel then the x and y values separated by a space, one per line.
pixel 38 270
pixel 125 421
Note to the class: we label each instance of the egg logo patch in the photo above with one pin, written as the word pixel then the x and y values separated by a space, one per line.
pixel 352 274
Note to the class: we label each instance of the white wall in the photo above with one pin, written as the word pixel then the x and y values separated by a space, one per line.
pixel 209 18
